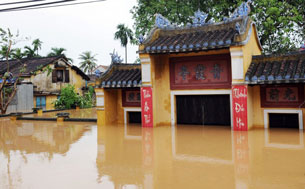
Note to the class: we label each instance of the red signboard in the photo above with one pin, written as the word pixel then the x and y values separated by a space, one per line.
pixel 200 72
pixel 147 107
pixel 289 96
pixel 239 103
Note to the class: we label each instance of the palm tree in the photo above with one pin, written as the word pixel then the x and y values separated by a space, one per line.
pixel 58 51
pixel 29 52
pixel 17 53
pixel 88 62
pixel 125 35
pixel 37 45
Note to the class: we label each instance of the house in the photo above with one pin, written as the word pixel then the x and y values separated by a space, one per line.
pixel 48 75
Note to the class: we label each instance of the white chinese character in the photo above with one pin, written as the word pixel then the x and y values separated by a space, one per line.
pixel 147 119
pixel 239 108
pixel 146 93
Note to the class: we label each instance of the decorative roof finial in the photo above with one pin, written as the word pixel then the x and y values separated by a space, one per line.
pixel 97 73
pixel 199 18
pixel 141 39
pixel 161 22
pixel 115 58
pixel 242 10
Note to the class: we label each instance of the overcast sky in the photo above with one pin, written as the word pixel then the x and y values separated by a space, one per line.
pixel 79 28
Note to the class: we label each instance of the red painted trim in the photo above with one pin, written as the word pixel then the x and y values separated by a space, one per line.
pixel 130 104
pixel 265 104
pixel 201 59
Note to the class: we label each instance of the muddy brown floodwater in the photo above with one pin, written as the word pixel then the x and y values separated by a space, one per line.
pixel 83 155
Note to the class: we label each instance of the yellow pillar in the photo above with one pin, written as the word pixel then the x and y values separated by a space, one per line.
pixel 100 106
pixel 39 112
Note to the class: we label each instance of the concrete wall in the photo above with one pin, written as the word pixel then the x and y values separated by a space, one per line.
pixel 23 100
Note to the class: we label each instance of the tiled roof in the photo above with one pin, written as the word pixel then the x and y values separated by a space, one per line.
pixel 34 64
pixel 285 68
pixel 197 38
pixel 121 76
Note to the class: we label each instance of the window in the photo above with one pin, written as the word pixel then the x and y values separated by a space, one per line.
pixel 60 75
pixel 41 102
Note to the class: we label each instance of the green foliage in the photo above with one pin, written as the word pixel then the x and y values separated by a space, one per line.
pixel 125 35
pixel 88 62
pixel 69 98
pixel 280 24
pixel 57 52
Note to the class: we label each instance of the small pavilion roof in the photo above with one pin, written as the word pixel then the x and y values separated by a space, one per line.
pixel 121 75
pixel 280 68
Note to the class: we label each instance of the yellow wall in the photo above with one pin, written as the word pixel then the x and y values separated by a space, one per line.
pixel 114 111
pixel 49 100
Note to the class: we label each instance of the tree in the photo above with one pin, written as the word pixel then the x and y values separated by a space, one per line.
pixel 280 24
pixel 8 86
pixel 58 51
pixel 69 98
pixel 88 63
pixel 17 54
pixel 125 35
pixel 29 52
pixel 37 45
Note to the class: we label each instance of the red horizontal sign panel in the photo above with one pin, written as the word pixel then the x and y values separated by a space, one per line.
pixel 291 95
pixel 200 72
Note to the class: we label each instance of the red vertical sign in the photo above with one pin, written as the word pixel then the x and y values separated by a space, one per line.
pixel 146 107
pixel 239 103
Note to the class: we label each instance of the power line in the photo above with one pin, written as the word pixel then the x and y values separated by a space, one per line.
pixel 20 2
pixel 52 6
pixel 36 5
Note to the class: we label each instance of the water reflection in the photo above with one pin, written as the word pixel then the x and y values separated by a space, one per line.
pixel 199 157
pixel 38 137
pixel 116 156
pixel 27 148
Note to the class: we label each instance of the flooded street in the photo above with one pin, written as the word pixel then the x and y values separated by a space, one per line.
pixel 83 155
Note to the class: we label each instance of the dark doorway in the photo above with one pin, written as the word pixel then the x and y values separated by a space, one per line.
pixel 134 117
pixel 277 120
pixel 203 109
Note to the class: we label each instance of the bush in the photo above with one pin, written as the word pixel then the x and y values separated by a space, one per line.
pixel 70 99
